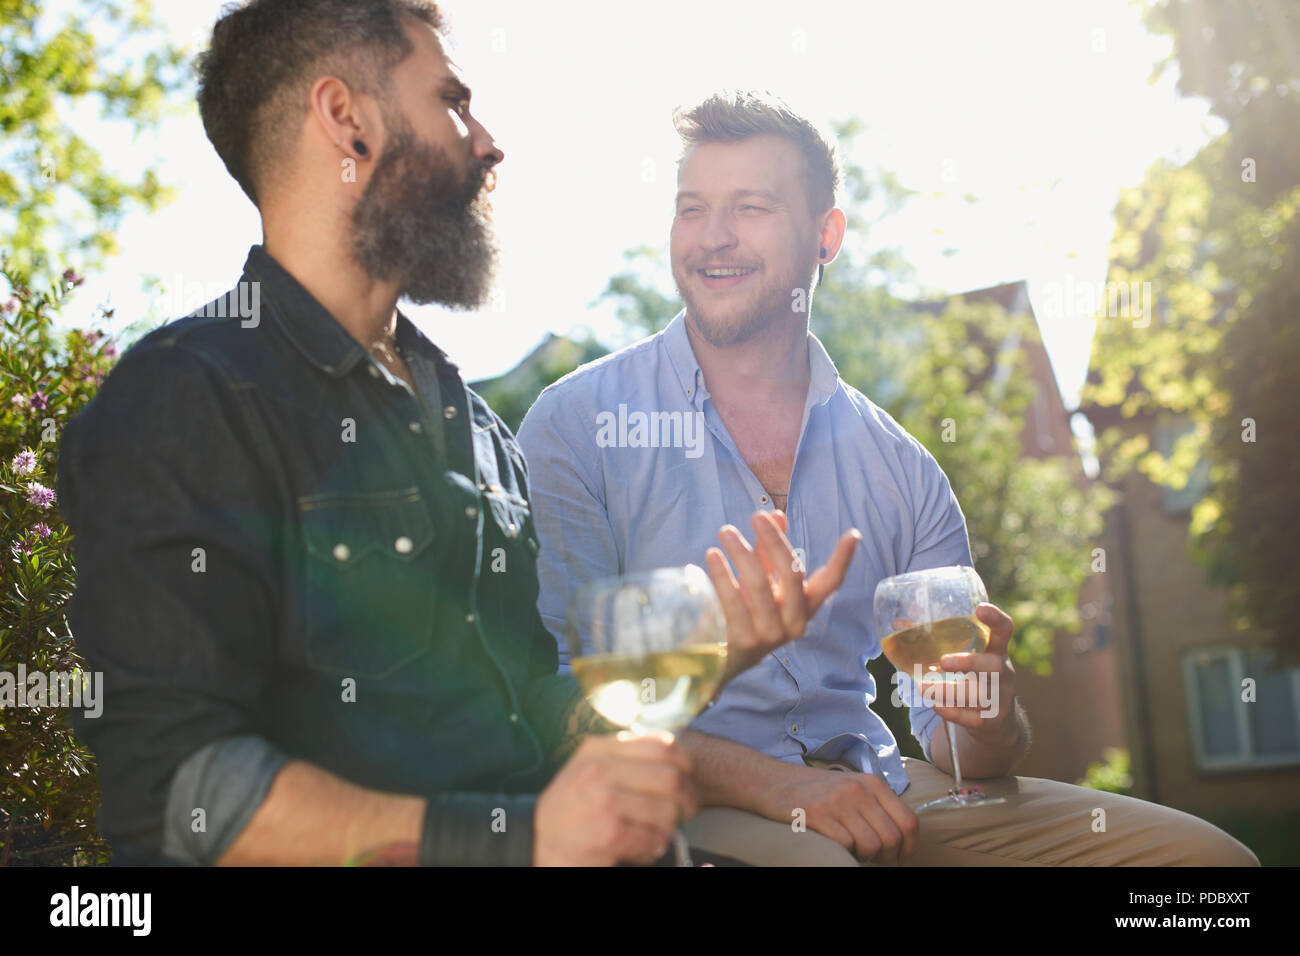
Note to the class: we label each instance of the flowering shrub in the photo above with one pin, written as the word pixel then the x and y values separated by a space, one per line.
pixel 48 790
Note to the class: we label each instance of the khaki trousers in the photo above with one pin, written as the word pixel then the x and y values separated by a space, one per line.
pixel 1043 823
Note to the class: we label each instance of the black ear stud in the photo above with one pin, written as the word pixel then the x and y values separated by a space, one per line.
pixel 360 147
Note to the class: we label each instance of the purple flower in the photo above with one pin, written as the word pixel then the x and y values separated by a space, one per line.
pixel 109 350
pixel 20 401
pixel 20 548
pixel 38 402
pixel 42 529
pixel 39 495
pixel 24 462
pixel 10 307
pixel 71 278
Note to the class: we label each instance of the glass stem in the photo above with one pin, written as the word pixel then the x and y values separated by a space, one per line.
pixel 683 850
pixel 952 749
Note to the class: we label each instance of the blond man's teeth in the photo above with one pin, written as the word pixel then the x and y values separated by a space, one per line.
pixel 723 273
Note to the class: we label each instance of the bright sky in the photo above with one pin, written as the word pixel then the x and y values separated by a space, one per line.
pixel 1040 110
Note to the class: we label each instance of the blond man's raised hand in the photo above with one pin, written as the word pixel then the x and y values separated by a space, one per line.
pixel 769 600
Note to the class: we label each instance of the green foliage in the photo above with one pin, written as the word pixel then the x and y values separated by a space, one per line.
pixel 59 199
pixel 1241 57
pixel 48 789
pixel 1246 531
pixel 1112 775
pixel 646 301
pixel 512 395
pixel 1218 240
pixel 56 193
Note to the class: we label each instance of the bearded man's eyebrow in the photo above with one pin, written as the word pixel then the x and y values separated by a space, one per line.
pixel 453 87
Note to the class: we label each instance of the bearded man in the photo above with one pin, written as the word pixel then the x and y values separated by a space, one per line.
pixel 290 511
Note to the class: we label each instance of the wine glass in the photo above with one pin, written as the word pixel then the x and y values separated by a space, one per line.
pixel 925 615
pixel 649 650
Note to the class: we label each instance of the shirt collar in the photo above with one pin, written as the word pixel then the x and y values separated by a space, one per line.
pixel 307 323
pixel 824 377
pixel 682 357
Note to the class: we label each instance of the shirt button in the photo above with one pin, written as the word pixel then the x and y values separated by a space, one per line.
pixel 794 728
pixel 514 718
pixel 471 512
pixel 374 372
pixel 403 545
pixel 449 412
pixel 512 530
pixel 471 617
pixel 416 427
pixel 787 661
pixel 342 552
pixel 762 499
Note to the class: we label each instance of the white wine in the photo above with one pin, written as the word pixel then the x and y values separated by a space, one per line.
pixel 659 691
pixel 924 644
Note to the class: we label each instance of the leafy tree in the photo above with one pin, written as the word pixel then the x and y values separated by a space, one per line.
pixel 1246 531
pixel 512 397
pixel 57 196
pixel 646 303
pixel 1242 57
pixel 1216 243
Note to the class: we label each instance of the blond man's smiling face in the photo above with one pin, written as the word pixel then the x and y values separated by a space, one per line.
pixel 743 238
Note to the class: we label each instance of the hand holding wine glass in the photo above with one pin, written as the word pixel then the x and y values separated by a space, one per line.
pixel 932 627
pixel 649 650
pixel 996 724
pixel 616 800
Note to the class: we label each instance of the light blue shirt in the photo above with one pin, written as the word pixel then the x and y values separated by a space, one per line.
pixel 617 489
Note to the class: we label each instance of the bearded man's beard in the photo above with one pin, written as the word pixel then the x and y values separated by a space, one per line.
pixel 420 224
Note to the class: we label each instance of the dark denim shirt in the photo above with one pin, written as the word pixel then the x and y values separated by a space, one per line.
pixel 276 537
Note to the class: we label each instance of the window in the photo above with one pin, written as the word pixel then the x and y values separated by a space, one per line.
pixel 1181 500
pixel 1231 733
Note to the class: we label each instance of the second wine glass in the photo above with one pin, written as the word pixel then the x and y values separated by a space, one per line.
pixel 924 615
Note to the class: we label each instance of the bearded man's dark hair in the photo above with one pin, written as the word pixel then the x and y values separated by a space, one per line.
pixel 265 55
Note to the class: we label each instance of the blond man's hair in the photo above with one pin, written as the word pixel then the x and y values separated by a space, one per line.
pixel 729 116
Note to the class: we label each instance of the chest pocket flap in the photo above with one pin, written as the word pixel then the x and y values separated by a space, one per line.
pixel 368 586
pixel 344 530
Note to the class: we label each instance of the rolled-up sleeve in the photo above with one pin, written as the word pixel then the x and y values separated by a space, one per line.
pixel 176 523
pixel 214 794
